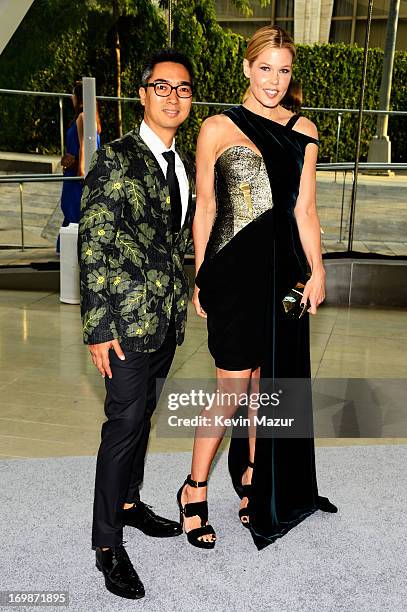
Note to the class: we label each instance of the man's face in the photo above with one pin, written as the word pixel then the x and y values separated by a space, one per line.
pixel 170 111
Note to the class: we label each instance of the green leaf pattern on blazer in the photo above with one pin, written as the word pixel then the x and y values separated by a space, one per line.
pixel 131 266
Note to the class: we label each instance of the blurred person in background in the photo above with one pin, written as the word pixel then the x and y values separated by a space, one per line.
pixel 73 162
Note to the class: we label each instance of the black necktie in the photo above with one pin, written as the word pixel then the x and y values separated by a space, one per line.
pixel 175 194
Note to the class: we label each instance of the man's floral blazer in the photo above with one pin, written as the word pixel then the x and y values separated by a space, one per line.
pixel 131 266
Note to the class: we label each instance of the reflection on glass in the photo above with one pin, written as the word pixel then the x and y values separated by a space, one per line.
pixel 380 224
pixel 25 326
pixel 380 7
pixel 284 8
pixel 227 9
pixel 288 26
pixel 246 28
pixel 377 33
pixel 343 8
pixel 340 31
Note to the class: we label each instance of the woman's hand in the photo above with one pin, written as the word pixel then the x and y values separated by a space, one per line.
pixel 68 160
pixel 314 290
pixel 198 308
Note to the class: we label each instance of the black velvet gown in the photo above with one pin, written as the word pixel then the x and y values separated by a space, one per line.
pixel 253 258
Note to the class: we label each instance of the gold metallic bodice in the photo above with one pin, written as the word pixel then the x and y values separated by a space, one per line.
pixel 243 193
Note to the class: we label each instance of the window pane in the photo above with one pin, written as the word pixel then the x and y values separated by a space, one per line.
pixel 340 31
pixel 343 8
pixel 377 33
pixel 259 11
pixel 288 26
pixel 380 7
pixel 246 28
pixel 380 227
pixel 401 40
pixel 284 8
pixel 380 220
pixel 227 9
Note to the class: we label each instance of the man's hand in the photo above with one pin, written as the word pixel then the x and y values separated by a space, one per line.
pixel 100 355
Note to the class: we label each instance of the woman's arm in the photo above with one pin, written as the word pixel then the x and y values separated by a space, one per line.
pixel 81 162
pixel 309 228
pixel 205 211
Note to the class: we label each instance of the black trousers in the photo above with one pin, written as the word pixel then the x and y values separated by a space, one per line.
pixel 131 397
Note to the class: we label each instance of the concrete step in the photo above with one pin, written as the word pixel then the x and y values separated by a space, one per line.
pixel 30 163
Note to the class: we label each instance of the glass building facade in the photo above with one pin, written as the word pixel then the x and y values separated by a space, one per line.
pixel 347 24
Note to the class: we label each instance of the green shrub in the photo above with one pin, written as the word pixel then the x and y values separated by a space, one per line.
pixel 79 43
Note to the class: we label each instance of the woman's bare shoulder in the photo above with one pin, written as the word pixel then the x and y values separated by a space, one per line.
pixel 212 131
pixel 214 123
pixel 306 126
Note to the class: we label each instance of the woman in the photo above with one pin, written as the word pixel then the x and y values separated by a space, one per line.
pixel 73 162
pixel 256 234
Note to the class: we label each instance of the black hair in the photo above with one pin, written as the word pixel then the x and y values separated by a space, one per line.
pixel 78 93
pixel 78 108
pixel 166 55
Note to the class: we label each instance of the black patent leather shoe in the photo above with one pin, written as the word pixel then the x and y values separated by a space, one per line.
pixel 142 517
pixel 120 576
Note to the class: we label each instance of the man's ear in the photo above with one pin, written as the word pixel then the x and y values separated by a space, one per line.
pixel 246 68
pixel 142 94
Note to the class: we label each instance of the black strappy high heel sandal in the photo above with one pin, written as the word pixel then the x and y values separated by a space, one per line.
pixel 245 512
pixel 196 509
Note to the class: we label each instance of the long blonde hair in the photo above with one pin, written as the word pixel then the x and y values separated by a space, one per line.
pixel 274 37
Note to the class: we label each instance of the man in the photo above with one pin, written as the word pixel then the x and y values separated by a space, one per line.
pixel 134 230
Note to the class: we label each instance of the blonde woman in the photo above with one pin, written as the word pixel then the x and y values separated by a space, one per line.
pixel 256 235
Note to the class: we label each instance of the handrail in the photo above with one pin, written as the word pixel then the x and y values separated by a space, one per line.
pixel 28 92
pixel 338 111
pixel 21 179
pixel 39 178
pixel 363 165
pixel 200 103
pixel 55 178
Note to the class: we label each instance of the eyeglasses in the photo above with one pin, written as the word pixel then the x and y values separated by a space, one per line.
pixel 164 89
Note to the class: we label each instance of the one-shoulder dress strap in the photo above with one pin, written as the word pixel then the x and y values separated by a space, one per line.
pixel 292 120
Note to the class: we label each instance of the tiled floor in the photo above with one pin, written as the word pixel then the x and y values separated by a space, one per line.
pixel 52 396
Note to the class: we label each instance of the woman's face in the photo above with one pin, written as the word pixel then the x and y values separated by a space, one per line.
pixel 270 75
pixel 74 100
